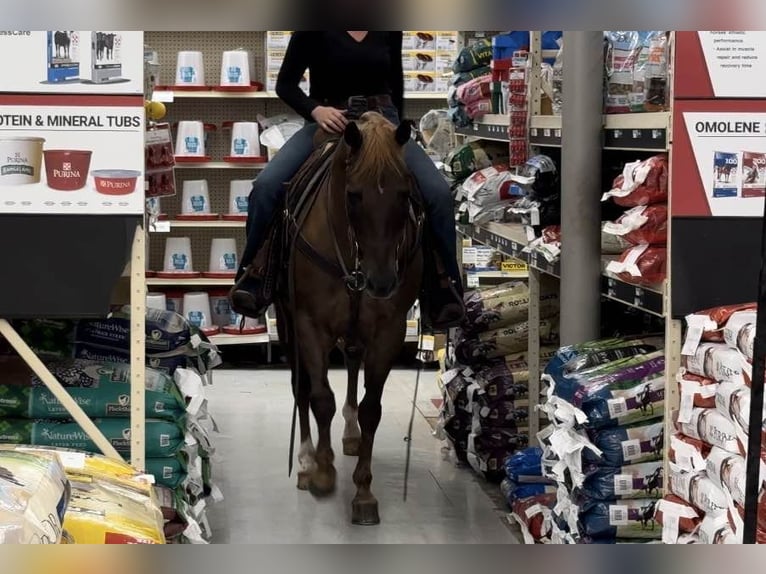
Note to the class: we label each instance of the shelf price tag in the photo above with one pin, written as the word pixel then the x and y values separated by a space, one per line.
pixel 611 284
pixel 638 298
pixel 657 134
pixel 533 132
pixel 557 134
pixel 636 134
pixel 547 132
pixel 160 227
pixel 164 96
pixel 472 280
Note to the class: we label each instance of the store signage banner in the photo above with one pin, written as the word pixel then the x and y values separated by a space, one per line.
pixel 71 154
pixel 725 64
pixel 719 158
pixel 68 62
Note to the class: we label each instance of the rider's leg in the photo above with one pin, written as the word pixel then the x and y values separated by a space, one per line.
pixel 447 307
pixel 265 198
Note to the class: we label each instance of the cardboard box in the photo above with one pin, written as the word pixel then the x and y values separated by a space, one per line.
pixel 271 81
pixel 278 40
pixel 419 82
pixel 444 61
pixel 442 85
pixel 274 59
pixel 447 40
pixel 419 61
pixel 418 40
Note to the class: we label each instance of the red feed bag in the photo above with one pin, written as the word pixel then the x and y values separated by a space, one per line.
pixel 641 183
pixel 644 265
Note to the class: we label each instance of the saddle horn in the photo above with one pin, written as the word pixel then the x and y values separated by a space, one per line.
pixel 353 136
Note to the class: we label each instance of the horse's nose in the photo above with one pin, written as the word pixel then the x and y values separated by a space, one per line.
pixel 382 286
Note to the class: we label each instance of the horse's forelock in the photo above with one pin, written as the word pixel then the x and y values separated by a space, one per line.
pixel 380 153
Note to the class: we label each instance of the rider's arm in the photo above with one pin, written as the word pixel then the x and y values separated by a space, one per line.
pixel 295 64
pixel 396 79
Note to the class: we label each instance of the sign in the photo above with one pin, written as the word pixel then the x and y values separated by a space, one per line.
pixel 719 158
pixel 69 62
pixel 720 64
pixel 71 154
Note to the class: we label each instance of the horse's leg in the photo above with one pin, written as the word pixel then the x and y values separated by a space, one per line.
pixel 377 365
pixel 352 436
pixel 306 451
pixel 315 347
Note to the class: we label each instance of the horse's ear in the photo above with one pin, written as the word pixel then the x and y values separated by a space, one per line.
pixel 353 136
pixel 404 132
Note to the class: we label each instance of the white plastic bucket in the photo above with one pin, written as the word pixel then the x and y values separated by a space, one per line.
pixel 197 309
pixel 21 160
pixel 190 140
pixel 223 256
pixel 239 196
pixel 178 255
pixel 190 69
pixel 196 197
pixel 235 68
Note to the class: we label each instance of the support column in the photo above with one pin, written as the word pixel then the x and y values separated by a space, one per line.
pixel 581 187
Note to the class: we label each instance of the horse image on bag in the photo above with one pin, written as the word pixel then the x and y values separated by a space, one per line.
pixel 351 252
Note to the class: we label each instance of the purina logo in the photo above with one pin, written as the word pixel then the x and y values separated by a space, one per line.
pixel 66 171
pixel 17 164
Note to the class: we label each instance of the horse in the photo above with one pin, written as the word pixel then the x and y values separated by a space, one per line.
pixel 653 481
pixel 645 399
pixel 62 42
pixel 358 252
pixel 646 515
pixel 658 443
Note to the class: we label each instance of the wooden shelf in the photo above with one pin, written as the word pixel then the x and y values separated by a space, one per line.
pixel 225 339
pixel 162 226
pixel 154 282
pixel 219 165
pixel 169 96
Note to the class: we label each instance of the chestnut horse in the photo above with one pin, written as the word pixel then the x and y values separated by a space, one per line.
pixel 354 275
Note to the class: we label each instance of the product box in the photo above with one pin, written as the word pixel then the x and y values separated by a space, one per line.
pixel 419 82
pixel 442 84
pixel 419 60
pixel 444 60
pixel 447 40
pixel 417 40
pixel 277 40
pixel 274 59
pixel 271 81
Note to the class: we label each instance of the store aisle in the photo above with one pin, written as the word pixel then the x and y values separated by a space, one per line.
pixel 262 505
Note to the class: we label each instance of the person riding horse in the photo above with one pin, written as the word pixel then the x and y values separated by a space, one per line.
pixel 351 73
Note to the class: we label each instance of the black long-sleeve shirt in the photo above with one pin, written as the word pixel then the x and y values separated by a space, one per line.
pixel 340 67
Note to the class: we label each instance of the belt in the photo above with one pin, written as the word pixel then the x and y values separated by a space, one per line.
pixel 369 102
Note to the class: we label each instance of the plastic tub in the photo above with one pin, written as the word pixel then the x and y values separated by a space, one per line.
pixel 67 170
pixel 115 181
pixel 21 160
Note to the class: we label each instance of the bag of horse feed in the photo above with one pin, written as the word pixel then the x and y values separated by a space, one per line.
pixel 557 365
pixel 623 446
pixel 487 451
pixel 677 517
pixel 642 224
pixel 641 183
pixel 711 427
pixel 474 156
pixel 695 391
pixel 612 483
pixel 34 495
pixel 688 453
pixel 595 359
pixel 163 438
pixel 101 513
pixel 506 305
pixel 612 244
pixel 474 56
pixel 513 491
pixel 609 520
pixel 729 471
pixel 475 90
pixel 533 514
pixel 502 342
pixel 733 402
pixel 719 362
pixel 715 529
pixel 489 186
pixel 641 265
pixel 525 466
pixel 697 489
pixel 502 414
pixel 709 325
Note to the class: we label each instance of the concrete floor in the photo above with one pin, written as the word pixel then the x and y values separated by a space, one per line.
pixel 445 504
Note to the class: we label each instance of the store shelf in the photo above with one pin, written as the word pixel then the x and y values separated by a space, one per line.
pixel 491 127
pixel 169 96
pixel 154 282
pixel 166 226
pixel 225 339
pixel 219 165
pixel 639 132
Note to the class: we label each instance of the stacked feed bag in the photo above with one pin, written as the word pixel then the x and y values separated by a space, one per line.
pixel 530 495
pixel 605 400
pixel 486 389
pixel 178 446
pixel 34 497
pixel 707 453
pixel 469 94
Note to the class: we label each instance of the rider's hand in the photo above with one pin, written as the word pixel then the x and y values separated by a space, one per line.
pixel 330 119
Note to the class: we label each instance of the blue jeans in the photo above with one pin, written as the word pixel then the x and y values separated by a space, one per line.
pixel 268 195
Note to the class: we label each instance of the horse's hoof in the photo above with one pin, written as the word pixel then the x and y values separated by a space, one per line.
pixel 322 483
pixel 365 512
pixel 304 479
pixel 351 446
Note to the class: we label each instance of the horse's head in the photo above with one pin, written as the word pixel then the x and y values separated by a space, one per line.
pixel 378 193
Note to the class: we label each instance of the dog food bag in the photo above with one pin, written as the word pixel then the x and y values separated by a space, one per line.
pixel 163 438
pixel 641 183
pixel 608 521
pixel 612 483
pixel 34 494
pixel 698 490
pixel 624 446
pixel 641 265
pixel 642 224
pixel 677 517
pixel 719 362
pixel 623 48
pixel 101 513
pixel 475 90
pixel 753 174
pixel 474 156
pixel 726 174
pixel 489 186
pixel 471 57
pixel 655 74
pixel 533 514
pixel 710 426
pixel 165 331
pixel 463 77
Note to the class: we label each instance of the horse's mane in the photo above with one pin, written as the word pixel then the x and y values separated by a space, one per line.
pixel 379 152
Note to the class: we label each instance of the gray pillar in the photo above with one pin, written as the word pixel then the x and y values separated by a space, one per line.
pixel 581 187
